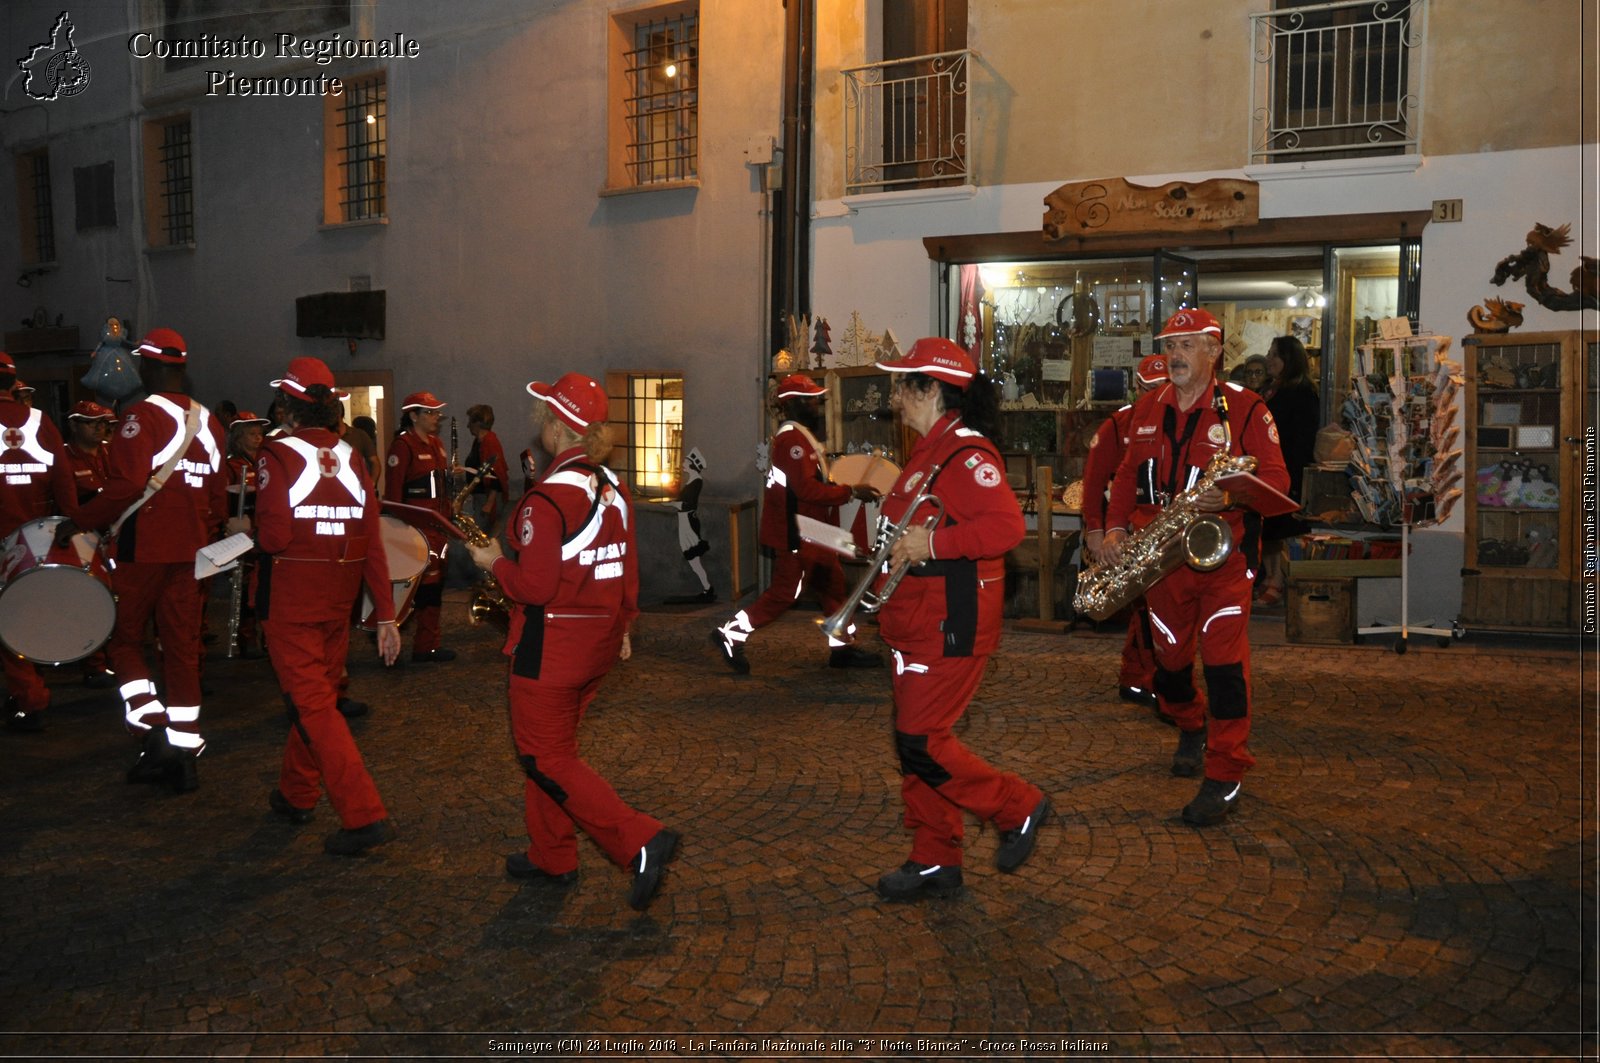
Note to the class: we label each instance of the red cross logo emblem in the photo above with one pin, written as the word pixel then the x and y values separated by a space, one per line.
pixel 13 438
pixel 327 464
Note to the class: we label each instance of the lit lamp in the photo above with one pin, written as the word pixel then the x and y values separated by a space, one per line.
pixel 1307 297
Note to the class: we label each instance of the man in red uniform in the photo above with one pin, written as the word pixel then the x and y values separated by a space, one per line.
pixel 797 486
pixel 88 428
pixel 417 469
pixel 317 527
pixel 37 483
pixel 1137 680
pixel 159 525
pixel 1174 433
pixel 575 581
pixel 943 621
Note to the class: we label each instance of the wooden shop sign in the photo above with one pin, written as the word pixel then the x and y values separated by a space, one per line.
pixel 1115 205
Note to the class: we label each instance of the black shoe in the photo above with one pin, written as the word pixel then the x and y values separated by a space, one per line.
pixel 438 656
pixel 351 709
pixel 1191 754
pixel 156 757
pixel 99 680
pixel 1138 695
pixel 853 656
pixel 648 868
pixel 183 773
pixel 732 652
pixel 293 813
pixel 1212 804
pixel 519 866
pixel 914 881
pixel 1017 845
pixel 24 722
pixel 347 842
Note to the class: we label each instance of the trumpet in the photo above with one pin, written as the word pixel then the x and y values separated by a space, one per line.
pixel 863 597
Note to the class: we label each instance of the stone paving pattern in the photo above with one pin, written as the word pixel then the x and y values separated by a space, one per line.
pixel 1411 871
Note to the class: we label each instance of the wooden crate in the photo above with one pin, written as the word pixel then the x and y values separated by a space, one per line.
pixel 1321 611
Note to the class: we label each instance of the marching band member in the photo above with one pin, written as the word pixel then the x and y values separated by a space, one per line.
pixel 88 427
pixel 488 499
pixel 797 485
pixel 576 581
pixel 1137 680
pixel 943 621
pixel 317 527
pixel 37 483
pixel 158 529
pixel 417 469
pixel 245 434
pixel 1173 435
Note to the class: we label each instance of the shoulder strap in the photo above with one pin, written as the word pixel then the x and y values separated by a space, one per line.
pixel 190 426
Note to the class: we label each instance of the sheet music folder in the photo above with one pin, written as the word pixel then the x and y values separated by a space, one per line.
pixel 221 556
pixel 831 536
pixel 1248 489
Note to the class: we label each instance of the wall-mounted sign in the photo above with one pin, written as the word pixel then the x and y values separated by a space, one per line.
pixel 1114 205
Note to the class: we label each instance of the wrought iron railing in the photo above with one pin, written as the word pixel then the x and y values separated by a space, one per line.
pixel 1337 80
pixel 906 123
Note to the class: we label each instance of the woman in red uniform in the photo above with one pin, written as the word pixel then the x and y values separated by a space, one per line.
pixel 317 525
pixel 417 469
pixel 943 621
pixel 575 582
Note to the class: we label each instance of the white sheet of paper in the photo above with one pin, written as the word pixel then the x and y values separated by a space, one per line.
pixel 831 536
pixel 221 556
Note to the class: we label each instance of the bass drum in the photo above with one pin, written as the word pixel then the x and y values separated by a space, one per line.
pixel 56 605
pixel 407 550
pixel 870 470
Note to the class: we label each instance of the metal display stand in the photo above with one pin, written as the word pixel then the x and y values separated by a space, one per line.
pixel 1404 628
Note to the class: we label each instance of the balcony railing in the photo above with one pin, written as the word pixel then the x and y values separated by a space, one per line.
pixel 1337 80
pixel 906 123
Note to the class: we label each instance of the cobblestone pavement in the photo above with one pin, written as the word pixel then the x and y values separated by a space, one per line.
pixel 1411 871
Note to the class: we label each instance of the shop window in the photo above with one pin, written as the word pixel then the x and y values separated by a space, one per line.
pixel 655 92
pixel 647 428
pixel 356 151
pixel 35 214
pixel 169 182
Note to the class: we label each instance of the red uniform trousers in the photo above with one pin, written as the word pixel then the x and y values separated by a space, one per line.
pixel 24 684
pixel 168 590
pixel 810 566
pixel 1138 650
pixel 1212 608
pixel 427 606
pixel 308 658
pixel 929 697
pixel 561 790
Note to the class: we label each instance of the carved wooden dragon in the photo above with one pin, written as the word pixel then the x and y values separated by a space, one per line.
pixel 1531 265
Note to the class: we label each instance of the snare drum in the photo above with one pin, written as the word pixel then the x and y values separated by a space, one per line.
pixel 56 605
pixel 407 550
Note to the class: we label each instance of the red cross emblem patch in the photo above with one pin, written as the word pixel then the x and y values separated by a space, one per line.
pixel 327 464
pixel 13 438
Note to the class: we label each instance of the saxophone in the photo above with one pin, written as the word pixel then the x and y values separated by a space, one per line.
pixel 488 601
pixel 1180 534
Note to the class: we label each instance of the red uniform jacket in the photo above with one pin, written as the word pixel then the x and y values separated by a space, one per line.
pixel 416 476
pixel 88 470
pixel 1169 448
pixel 181 517
pixel 242 471
pixel 486 450
pixel 1105 454
pixel 950 606
pixel 796 485
pixel 575 575
pixel 317 520
pixel 37 480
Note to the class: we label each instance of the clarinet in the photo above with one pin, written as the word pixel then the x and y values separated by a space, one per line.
pixel 455 454
pixel 236 589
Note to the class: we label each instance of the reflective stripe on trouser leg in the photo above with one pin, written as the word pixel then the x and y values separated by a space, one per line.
pixel 738 629
pixel 141 710
pixel 183 728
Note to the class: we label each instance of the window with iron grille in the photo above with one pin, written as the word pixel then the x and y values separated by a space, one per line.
pixel 35 213
pixel 647 425
pixel 356 135
pixel 169 182
pixel 661 101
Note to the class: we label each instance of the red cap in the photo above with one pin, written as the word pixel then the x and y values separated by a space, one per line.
pixel 164 345
pixel 576 399
pixel 19 387
pixel 937 357
pixel 1191 323
pixel 798 385
pixel 248 417
pixel 1152 370
pixel 302 374
pixel 86 410
pixel 6 362
pixel 421 400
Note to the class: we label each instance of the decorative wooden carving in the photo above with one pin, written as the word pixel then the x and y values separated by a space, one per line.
pixel 1115 205
pixel 1495 316
pixel 1531 265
